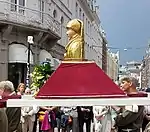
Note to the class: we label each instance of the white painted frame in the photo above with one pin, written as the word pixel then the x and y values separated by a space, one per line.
pixel 79 102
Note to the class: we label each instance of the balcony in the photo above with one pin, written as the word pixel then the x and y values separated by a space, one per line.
pixel 23 16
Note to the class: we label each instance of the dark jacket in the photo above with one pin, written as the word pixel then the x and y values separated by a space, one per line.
pixel 3 121
pixel 13 115
pixel 130 120
pixel 84 114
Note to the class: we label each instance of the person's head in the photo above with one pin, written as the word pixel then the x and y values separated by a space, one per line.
pixel 6 88
pixel 73 27
pixel 21 88
pixel 129 84
pixel 28 91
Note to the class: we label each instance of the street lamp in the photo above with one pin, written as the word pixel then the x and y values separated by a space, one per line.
pixel 30 41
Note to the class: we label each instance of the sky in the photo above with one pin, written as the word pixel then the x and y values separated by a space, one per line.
pixel 127 24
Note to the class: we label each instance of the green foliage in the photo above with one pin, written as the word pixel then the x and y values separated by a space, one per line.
pixel 39 75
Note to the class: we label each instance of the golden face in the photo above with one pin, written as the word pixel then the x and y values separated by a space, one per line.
pixel 70 33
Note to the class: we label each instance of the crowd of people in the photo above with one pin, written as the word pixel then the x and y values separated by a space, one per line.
pixel 49 118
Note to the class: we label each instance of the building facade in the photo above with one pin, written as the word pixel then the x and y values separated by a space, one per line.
pixel 135 70
pixel 123 71
pixel 45 20
pixel 113 65
pixel 145 72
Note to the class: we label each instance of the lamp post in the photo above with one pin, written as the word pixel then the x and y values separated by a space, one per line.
pixel 30 41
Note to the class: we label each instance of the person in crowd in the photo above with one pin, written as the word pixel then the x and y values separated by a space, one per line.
pixel 58 113
pixel 129 118
pixel 21 89
pixel 85 115
pixel 3 116
pixel 99 112
pixel 47 115
pixel 66 118
pixel 13 114
pixel 28 115
pixel 146 119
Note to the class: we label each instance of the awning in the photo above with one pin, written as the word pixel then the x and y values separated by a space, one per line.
pixel 79 80
pixel 18 53
pixel 45 56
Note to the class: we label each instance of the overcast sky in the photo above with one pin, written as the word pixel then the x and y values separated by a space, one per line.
pixel 127 24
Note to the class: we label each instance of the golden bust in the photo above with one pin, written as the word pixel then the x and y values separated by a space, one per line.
pixel 75 46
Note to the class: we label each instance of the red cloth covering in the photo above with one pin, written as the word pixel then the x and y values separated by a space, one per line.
pixel 139 94
pixel 4 99
pixel 79 80
pixel 2 103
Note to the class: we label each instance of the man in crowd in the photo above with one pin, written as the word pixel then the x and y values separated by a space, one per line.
pixel 130 119
pixel 3 121
pixel 85 115
pixel 13 114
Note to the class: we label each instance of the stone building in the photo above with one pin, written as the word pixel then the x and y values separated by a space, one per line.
pixel 113 65
pixel 46 21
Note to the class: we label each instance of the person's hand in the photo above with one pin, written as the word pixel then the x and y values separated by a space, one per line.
pixel 88 110
pixel 49 109
pixel 83 109
pixel 98 117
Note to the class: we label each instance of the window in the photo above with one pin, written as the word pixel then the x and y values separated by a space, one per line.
pixel 68 3
pixel 41 5
pixel 86 25
pixel 17 73
pixel 80 13
pixel 76 10
pixel 41 8
pixel 62 20
pixel 18 6
pixel 83 17
pixel 54 13
pixel 13 6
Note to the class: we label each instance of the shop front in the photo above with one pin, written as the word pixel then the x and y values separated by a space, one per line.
pixel 17 66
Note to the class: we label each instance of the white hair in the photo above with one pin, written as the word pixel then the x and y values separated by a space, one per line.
pixel 130 79
pixel 7 85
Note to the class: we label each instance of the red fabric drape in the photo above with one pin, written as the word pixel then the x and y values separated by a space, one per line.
pixel 4 99
pixel 79 80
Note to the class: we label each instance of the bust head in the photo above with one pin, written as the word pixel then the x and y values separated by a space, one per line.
pixel 73 28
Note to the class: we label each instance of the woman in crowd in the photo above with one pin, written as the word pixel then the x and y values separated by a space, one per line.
pixel 28 115
pixel 21 89
pixel 47 119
